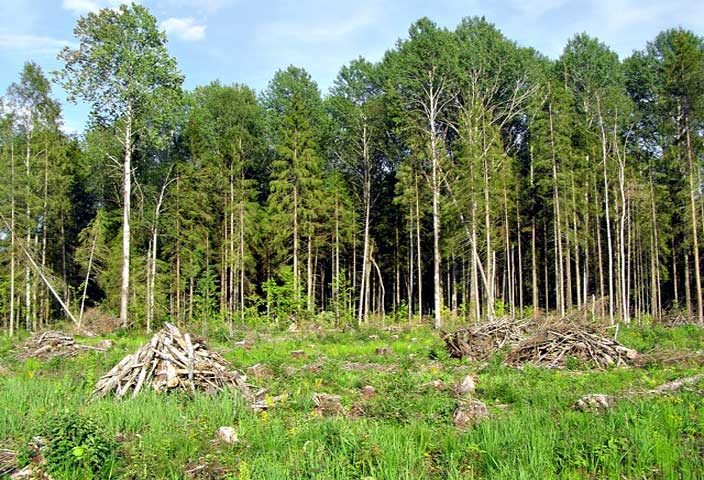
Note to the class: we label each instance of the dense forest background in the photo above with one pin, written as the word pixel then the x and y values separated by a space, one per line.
pixel 462 177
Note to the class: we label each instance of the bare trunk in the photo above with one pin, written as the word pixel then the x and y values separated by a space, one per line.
pixel 295 243
pixel 28 242
pixel 695 238
pixel 85 283
pixel 364 285
pixel 607 216
pixel 559 273
pixel 309 274
pixel 419 271
pixel 12 238
pixel 127 194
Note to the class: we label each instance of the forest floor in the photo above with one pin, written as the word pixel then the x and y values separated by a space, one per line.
pixel 402 430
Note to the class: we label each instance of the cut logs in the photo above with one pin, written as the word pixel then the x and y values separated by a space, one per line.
pixel 49 344
pixel 480 341
pixel 172 361
pixel 554 346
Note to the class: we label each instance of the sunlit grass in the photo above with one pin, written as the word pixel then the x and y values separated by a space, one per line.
pixel 407 430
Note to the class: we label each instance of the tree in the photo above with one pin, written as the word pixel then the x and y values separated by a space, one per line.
pixel 123 68
pixel 357 109
pixel 422 71
pixel 671 94
pixel 225 134
pixel 294 116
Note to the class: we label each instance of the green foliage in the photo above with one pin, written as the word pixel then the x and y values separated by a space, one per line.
pixel 283 300
pixel 406 430
pixel 77 446
pixel 123 68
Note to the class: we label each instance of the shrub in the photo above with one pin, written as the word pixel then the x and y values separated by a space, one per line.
pixel 76 447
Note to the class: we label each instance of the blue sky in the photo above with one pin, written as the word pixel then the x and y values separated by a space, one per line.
pixel 246 42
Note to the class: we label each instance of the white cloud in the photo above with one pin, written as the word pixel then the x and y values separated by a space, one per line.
pixel 31 44
pixel 184 28
pixel 81 7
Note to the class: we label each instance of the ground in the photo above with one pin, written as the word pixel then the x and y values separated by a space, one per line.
pixel 404 430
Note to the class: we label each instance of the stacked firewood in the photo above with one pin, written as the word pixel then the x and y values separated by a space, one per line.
pixel 554 346
pixel 480 341
pixel 50 344
pixel 172 360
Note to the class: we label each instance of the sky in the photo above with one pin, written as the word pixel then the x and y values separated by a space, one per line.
pixel 244 41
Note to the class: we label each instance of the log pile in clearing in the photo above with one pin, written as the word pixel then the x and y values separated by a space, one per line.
pixel 50 344
pixel 553 346
pixel 678 319
pixel 172 360
pixel 480 341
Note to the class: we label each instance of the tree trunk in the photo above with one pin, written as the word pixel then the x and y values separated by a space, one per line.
pixel 127 194
pixel 693 190
pixel 607 215
pixel 12 237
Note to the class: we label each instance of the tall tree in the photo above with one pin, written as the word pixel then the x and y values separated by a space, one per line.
pixel 123 68
pixel 357 109
pixel 295 116
pixel 422 72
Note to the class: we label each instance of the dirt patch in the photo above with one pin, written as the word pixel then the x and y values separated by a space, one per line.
pixel 205 469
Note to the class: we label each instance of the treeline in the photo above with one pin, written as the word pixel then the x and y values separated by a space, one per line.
pixel 461 176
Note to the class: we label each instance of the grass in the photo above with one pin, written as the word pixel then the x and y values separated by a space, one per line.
pixel 407 430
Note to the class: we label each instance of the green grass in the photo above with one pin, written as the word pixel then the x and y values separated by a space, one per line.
pixel 407 430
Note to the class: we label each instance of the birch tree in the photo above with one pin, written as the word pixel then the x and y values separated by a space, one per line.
pixel 122 67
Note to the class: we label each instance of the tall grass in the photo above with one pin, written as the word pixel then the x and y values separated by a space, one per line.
pixel 407 430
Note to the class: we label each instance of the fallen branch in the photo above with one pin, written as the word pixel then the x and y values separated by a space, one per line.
pixel 596 402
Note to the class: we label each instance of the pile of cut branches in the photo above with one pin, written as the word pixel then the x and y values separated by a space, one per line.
pixel 668 357
pixel 480 341
pixel 171 361
pixel 678 319
pixel 50 344
pixel 555 345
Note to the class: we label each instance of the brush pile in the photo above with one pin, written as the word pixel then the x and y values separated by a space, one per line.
pixel 172 361
pixel 555 345
pixel 50 344
pixel 480 341
pixel 678 319
pixel 8 462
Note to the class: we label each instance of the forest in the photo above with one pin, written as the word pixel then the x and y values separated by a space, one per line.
pixel 467 260
pixel 462 177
